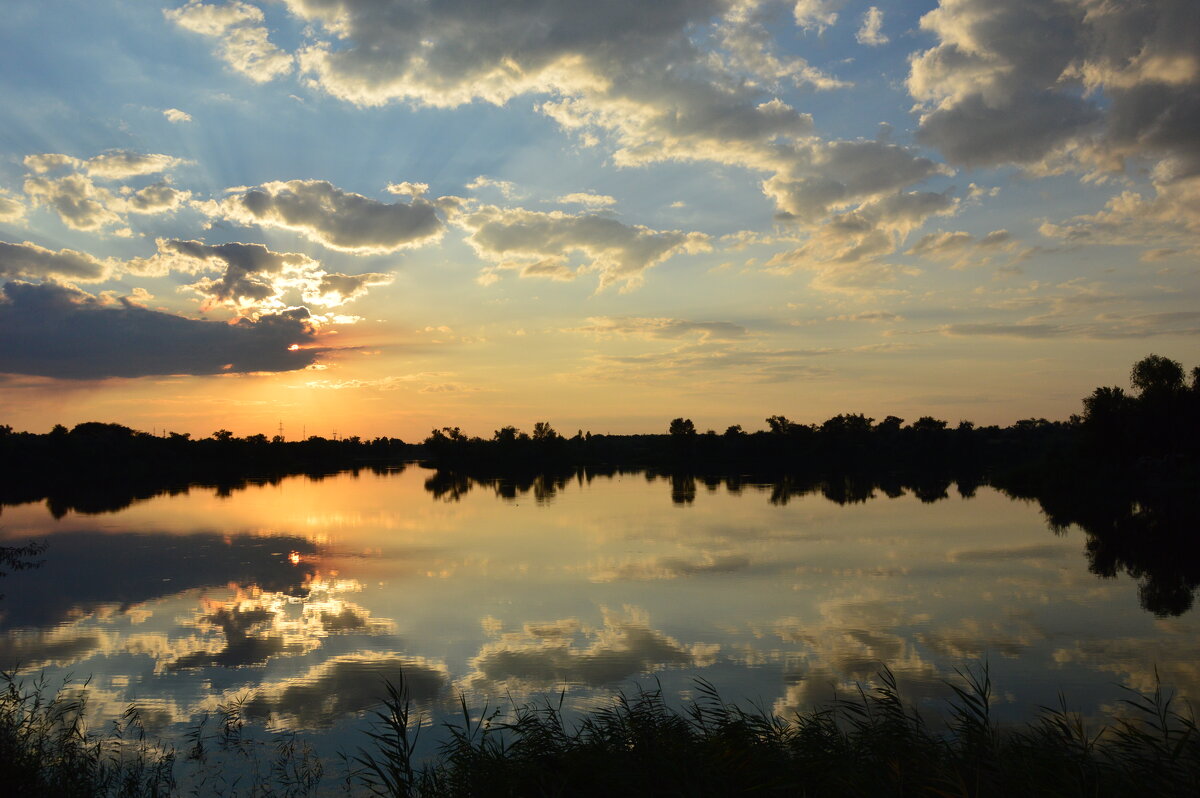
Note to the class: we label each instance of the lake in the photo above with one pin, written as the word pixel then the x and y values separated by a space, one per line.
pixel 298 597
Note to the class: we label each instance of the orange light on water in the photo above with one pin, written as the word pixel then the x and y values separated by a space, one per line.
pixel 294 557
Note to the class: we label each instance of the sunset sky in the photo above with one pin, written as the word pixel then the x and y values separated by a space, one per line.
pixel 379 216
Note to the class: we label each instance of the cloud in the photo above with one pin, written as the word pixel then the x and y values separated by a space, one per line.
pixel 12 210
pixel 407 189
pixel 961 249
pixel 252 275
pixel 824 177
pixel 391 383
pixel 670 329
pixel 847 646
pixel 871 31
pixel 80 203
pixel 245 45
pixel 336 289
pixel 747 46
pixel 547 654
pixel 175 116
pixel 248 640
pixel 845 252
pixel 507 188
pixel 659 568
pixel 868 315
pixel 235 258
pixel 60 646
pixel 110 165
pixel 1059 85
pixel 714 361
pixel 337 219
pixel 1170 217
pixel 539 244
pixel 1033 551
pixel 819 14
pixel 50 162
pixel 158 197
pixel 254 279
pixel 56 331
pixel 120 164
pixel 1103 327
pixel 589 199
pixel 345 685
pixel 29 261
pixel 640 81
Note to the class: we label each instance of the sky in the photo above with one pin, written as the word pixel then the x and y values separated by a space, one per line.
pixel 376 217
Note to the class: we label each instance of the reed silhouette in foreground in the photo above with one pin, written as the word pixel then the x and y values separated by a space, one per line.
pixel 872 743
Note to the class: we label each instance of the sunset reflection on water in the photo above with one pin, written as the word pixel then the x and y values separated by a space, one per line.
pixel 299 598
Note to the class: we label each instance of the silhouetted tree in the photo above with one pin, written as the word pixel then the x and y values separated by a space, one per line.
pixel 682 428
pixel 506 435
pixel 780 425
pixel 1156 375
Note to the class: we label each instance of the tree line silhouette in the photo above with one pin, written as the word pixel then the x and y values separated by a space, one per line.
pixel 1125 470
pixel 1152 429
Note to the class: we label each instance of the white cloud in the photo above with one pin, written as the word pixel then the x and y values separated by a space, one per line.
pixel 121 164
pixel 819 14
pixel 845 252
pixel 507 189
pixel 539 244
pixel 871 31
pixel 213 20
pixel 407 189
pixel 80 203
pixel 588 199
pixel 176 116
pixel 337 219
pixel 1169 219
pixel 252 279
pixel 11 209
pixel 158 197
pixel 49 162
pixel 110 165
pixel 245 45
pixel 961 249
pixel 749 48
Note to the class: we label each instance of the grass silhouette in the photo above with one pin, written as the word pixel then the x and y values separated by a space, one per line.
pixel 873 743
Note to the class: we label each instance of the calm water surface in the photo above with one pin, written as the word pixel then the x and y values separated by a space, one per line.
pixel 299 597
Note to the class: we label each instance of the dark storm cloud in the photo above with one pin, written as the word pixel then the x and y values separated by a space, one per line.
pixel 51 330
